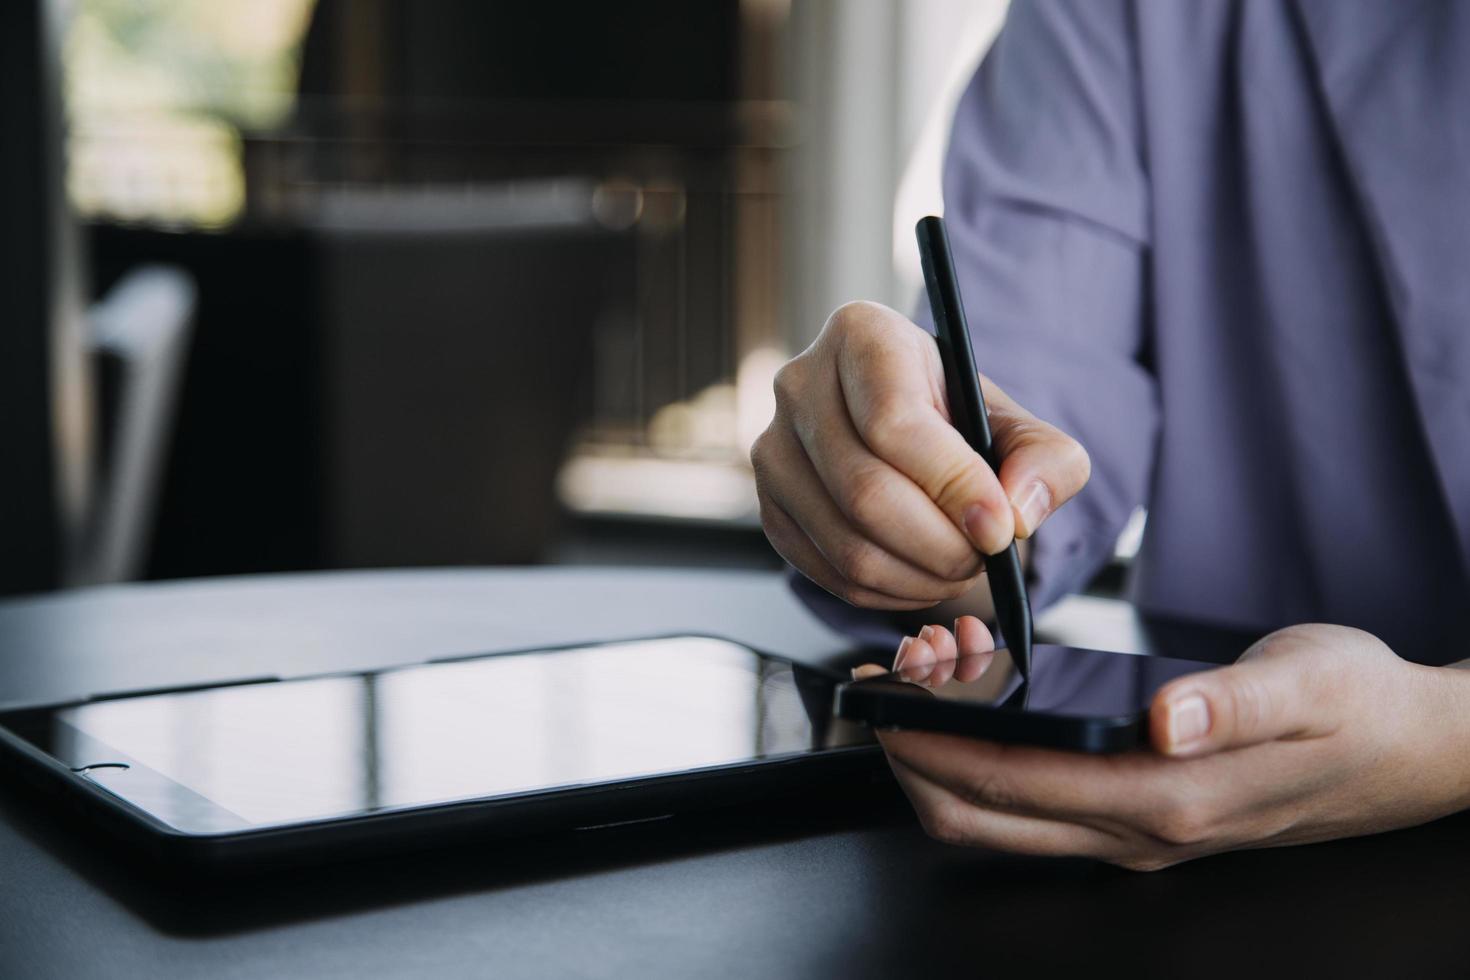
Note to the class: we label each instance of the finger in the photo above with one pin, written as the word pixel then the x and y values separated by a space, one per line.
pixel 932 663
pixel 970 669
pixel 925 661
pixel 902 653
pixel 892 383
pixel 953 820
pixel 875 497
pixel 943 644
pixel 975 649
pixel 800 493
pixel 972 636
pixel 1254 701
pixel 792 544
pixel 1041 466
pixel 1103 792
pixel 915 661
pixel 863 671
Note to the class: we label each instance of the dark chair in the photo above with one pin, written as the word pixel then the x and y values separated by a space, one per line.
pixel 80 460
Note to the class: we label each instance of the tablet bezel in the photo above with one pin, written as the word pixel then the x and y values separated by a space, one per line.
pixel 224 839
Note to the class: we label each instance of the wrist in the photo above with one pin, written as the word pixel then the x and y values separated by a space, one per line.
pixel 1446 729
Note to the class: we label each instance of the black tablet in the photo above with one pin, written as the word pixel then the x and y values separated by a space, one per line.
pixel 467 747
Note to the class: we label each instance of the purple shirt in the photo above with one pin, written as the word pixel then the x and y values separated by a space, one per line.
pixel 1226 245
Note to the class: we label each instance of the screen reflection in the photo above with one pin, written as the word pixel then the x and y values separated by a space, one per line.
pixel 488 726
pixel 1065 680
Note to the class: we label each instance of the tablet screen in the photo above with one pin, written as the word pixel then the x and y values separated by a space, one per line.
pixel 289 751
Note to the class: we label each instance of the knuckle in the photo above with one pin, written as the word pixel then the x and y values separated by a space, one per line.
pixel 959 589
pixel 1248 705
pixel 956 485
pixel 963 569
pixel 1073 459
pixel 1060 455
pixel 891 423
pixel 1298 632
pixel 777 533
pixel 769 523
pixel 945 824
pixel 1019 432
pixel 760 452
pixel 859 562
pixel 1142 862
pixel 994 793
pixel 765 463
pixel 788 385
pixel 1183 823
pixel 866 498
pixel 851 317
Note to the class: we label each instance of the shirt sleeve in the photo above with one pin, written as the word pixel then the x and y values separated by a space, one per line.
pixel 1047 205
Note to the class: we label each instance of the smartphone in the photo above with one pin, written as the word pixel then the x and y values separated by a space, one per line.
pixel 1077 699
pixel 474 747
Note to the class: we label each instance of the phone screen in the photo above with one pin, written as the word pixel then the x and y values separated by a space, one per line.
pixel 283 752
pixel 1067 684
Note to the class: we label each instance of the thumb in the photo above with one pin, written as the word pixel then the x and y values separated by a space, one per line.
pixel 1041 466
pixel 1254 701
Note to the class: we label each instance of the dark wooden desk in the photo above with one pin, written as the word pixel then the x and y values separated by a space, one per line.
pixel 850 889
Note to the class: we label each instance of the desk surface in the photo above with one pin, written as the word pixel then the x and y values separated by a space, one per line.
pixel 827 891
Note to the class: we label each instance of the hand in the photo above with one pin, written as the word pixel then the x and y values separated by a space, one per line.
pixel 1317 732
pixel 866 488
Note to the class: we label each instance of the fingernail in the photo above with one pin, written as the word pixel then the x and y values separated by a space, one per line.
pixel 1032 506
pixel 980 526
pixel 926 632
pixel 903 646
pixel 1189 721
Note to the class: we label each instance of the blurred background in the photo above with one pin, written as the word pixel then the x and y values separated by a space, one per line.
pixel 306 284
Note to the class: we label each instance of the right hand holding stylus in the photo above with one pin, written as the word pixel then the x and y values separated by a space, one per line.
pixel 867 489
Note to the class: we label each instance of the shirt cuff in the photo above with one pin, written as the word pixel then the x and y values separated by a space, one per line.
pixel 866 627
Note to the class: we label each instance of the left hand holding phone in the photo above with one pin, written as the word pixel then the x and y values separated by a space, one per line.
pixel 1317 732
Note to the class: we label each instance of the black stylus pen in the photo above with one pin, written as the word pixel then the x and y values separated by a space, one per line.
pixel 967 413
